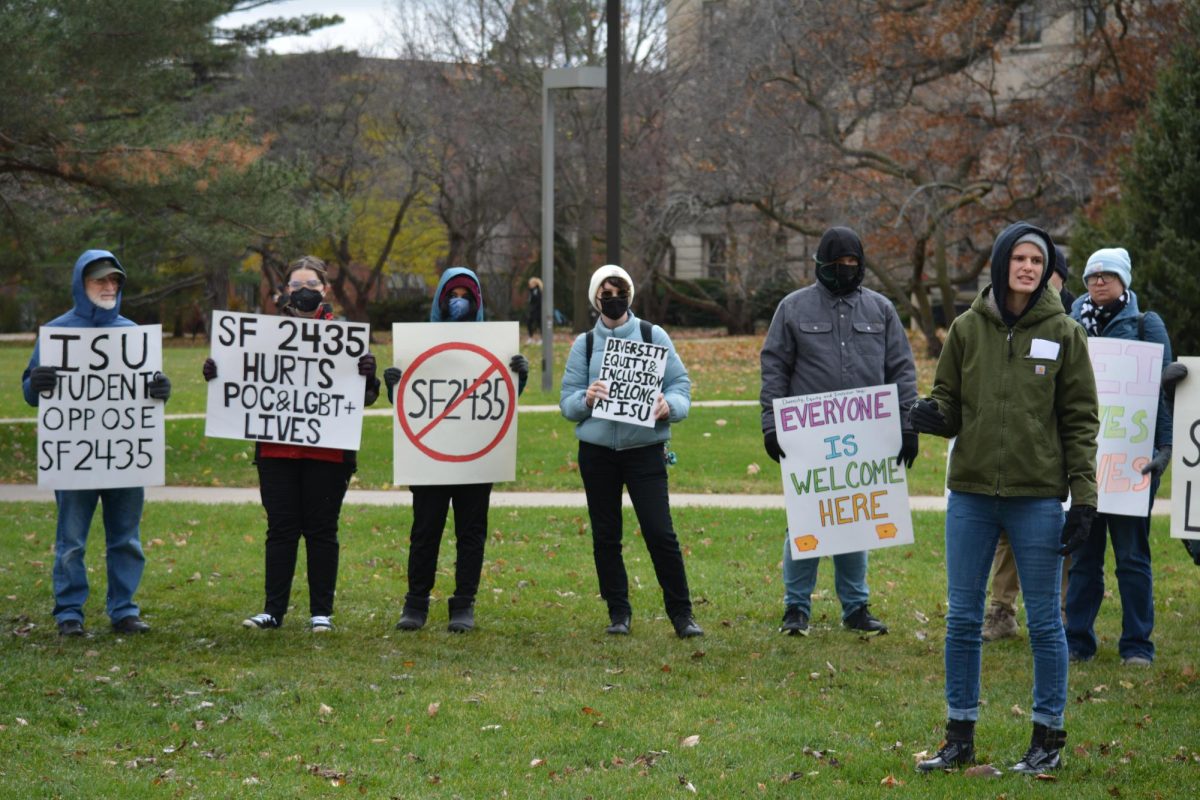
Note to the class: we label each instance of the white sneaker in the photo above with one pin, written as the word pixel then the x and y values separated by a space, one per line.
pixel 320 625
pixel 261 621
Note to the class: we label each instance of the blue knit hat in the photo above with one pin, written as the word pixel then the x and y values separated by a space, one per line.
pixel 1110 259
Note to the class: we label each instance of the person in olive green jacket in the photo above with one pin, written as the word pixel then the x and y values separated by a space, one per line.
pixel 1015 385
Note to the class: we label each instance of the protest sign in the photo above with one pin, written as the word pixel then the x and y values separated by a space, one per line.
pixel 1185 454
pixel 1127 376
pixel 287 380
pixel 456 403
pixel 98 429
pixel 842 486
pixel 633 371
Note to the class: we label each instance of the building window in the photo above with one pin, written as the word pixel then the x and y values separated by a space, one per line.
pixel 1093 18
pixel 1029 24
pixel 714 250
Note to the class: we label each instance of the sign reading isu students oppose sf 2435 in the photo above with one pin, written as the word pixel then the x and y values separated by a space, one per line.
pixel 98 429
pixel 456 403
pixel 287 380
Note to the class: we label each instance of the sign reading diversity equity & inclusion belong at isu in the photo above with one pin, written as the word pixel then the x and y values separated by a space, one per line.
pixel 98 428
pixel 1185 454
pixel 633 371
pixel 843 488
pixel 1127 386
pixel 456 403
pixel 287 380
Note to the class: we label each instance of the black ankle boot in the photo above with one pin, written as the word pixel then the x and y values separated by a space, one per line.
pixel 958 750
pixel 462 614
pixel 1042 755
pixel 416 611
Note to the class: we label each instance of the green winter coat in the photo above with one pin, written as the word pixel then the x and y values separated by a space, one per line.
pixel 1026 427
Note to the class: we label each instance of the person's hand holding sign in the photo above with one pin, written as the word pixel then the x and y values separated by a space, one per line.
pixel 597 391
pixel 43 379
pixel 661 409
pixel 159 387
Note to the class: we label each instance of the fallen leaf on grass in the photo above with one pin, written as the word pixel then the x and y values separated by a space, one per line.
pixel 982 771
pixel 537 762
pixel 1041 776
pixel 666 667
pixel 324 710
pixel 891 781
pixel 753 469
pixel 432 710
pixel 685 783
pixel 690 741
pixel 489 728
pixel 1017 711
pixel 590 710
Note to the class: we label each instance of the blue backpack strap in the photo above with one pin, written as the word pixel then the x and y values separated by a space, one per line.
pixel 647 331
pixel 587 358
pixel 1141 327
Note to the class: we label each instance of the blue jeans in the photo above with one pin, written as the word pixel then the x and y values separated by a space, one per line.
pixel 1034 527
pixel 849 579
pixel 1085 589
pixel 124 560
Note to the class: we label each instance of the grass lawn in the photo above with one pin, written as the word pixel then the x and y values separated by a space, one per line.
pixel 538 702
pixel 719 449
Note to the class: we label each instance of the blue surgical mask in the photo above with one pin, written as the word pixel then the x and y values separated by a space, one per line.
pixel 459 308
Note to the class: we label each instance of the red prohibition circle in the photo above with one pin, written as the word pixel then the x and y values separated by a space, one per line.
pixel 442 348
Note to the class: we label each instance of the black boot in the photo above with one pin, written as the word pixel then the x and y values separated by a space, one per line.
pixel 1042 755
pixel 958 750
pixel 416 611
pixel 462 614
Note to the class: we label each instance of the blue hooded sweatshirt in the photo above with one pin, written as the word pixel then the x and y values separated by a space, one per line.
pixel 456 276
pixel 85 314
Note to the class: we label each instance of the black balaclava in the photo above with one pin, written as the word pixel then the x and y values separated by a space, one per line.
pixel 1006 242
pixel 838 278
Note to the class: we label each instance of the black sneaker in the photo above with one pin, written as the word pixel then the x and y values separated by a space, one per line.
pixel 862 621
pixel 686 627
pixel 795 622
pixel 618 625
pixel 261 622
pixel 1043 753
pixel 70 627
pixel 131 624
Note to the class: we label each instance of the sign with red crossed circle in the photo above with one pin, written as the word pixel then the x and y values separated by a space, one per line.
pixel 456 402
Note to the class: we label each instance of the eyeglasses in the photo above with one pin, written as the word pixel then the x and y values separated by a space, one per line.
pixel 1096 277
pixel 311 283
pixel 606 295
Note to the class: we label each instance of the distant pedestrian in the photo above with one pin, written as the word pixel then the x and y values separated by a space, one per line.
pixel 533 313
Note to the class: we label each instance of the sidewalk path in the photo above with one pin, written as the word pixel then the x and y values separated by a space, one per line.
pixel 10 493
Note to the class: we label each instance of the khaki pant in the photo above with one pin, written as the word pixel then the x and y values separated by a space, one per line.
pixel 1005 582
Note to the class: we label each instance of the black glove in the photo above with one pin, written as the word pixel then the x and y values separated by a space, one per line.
pixel 209 371
pixel 771 444
pixel 1077 528
pixel 908 449
pixel 1172 374
pixel 926 417
pixel 366 366
pixel 43 379
pixel 159 387
pixel 519 364
pixel 1193 549
pixel 1158 465
pixel 391 376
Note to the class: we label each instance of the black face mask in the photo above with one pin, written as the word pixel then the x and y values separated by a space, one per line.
pixel 840 278
pixel 614 307
pixel 305 300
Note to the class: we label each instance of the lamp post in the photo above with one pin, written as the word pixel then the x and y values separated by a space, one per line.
pixel 566 78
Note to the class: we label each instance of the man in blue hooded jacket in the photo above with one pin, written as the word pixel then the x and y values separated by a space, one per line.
pixel 96 287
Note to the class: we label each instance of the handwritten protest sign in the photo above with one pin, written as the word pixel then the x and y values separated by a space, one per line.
pixel 98 429
pixel 456 403
pixel 1185 455
pixel 842 487
pixel 633 371
pixel 287 380
pixel 1127 376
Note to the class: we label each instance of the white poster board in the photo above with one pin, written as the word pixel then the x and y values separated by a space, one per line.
pixel 1185 454
pixel 287 380
pixel 98 429
pixel 842 486
pixel 1127 385
pixel 456 402
pixel 633 371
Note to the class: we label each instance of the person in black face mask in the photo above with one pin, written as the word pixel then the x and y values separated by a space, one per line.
pixel 303 487
pixel 617 455
pixel 833 335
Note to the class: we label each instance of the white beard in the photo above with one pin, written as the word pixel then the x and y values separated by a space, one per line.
pixel 107 305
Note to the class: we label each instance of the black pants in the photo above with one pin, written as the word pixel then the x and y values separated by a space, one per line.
pixel 431 504
pixel 644 472
pixel 533 320
pixel 302 497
